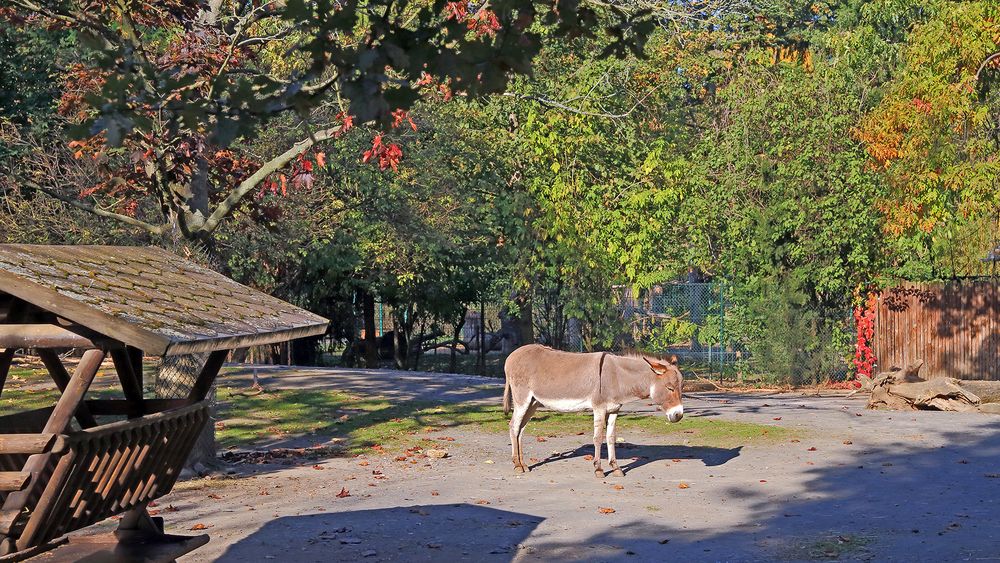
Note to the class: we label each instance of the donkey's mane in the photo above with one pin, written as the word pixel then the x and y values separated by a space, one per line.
pixel 640 354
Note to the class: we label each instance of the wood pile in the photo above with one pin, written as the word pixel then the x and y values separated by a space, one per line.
pixel 902 389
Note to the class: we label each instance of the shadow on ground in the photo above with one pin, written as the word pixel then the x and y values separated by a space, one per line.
pixel 451 532
pixel 898 502
pixel 645 454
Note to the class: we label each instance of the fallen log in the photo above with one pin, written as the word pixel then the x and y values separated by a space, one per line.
pixel 903 389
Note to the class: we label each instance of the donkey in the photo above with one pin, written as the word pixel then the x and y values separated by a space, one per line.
pixel 602 382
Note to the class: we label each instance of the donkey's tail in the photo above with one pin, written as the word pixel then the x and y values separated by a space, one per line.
pixel 506 397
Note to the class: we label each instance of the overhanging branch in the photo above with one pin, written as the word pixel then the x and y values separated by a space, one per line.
pixel 246 186
pixel 94 209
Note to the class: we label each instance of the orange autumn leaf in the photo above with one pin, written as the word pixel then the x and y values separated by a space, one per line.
pixel 683 485
pixel 606 510
pixel 343 493
pixel 197 527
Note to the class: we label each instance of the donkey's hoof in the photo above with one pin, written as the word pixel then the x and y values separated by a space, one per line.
pixel 599 473
pixel 618 472
pixel 518 469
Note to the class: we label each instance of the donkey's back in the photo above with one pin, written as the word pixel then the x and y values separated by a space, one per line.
pixel 560 380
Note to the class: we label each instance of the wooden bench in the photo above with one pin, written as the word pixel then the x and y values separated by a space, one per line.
pixel 93 474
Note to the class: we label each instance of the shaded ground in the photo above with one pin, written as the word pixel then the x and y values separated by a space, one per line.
pixel 844 484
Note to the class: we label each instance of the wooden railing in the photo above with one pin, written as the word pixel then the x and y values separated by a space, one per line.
pixel 95 473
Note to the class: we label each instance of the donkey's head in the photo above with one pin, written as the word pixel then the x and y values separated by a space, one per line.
pixel 666 388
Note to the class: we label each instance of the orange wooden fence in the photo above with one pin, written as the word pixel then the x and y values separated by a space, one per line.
pixel 954 327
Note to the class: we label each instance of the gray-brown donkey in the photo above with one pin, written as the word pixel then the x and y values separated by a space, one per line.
pixel 602 382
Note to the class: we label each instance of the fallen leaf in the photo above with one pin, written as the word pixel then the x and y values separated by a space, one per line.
pixel 812 449
pixel 776 418
pixel 606 510
pixel 214 496
pixel 663 542
pixel 446 438
pixel 618 487
pixel 319 467
pixel 848 442
pixel 343 493
pixel 683 486
pixel 435 493
pixel 588 457
pixel 763 480
pixel 363 463
pixel 437 454
pixel 482 501
pixel 401 458
pixel 197 527
pixel 540 439
pixel 488 461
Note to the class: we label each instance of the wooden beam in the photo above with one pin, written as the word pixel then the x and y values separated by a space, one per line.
pixel 26 443
pixel 131 382
pixel 14 481
pixel 6 357
pixel 40 336
pixel 70 400
pixel 59 374
pixel 119 407
pixel 207 376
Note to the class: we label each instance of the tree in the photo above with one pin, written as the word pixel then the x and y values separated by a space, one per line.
pixel 164 89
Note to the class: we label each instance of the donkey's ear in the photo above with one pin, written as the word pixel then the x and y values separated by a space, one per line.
pixel 658 368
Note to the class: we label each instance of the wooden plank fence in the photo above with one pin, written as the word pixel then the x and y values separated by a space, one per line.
pixel 954 327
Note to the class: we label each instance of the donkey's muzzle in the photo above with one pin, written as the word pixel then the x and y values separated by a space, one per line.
pixel 675 413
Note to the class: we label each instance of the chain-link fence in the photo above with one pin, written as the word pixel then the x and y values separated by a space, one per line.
pixel 697 322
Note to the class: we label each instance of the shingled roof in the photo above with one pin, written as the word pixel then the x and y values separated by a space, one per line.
pixel 149 298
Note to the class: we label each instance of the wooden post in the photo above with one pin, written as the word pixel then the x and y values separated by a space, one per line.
pixel 207 376
pixel 131 382
pixel 59 374
pixel 70 400
pixel 6 357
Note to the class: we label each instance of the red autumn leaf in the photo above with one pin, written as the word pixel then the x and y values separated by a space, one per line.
pixel 343 493
pixel 777 418
pixel 318 467
pixel 812 449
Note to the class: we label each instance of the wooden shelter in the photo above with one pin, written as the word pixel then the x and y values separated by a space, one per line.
pixel 82 460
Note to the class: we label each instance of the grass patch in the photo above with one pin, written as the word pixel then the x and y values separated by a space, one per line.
pixel 364 422
pixel 834 547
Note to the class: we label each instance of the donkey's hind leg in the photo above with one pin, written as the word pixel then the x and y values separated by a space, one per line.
pixel 517 421
pixel 599 416
pixel 612 458
pixel 520 433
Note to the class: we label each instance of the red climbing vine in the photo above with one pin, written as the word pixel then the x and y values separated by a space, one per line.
pixel 864 322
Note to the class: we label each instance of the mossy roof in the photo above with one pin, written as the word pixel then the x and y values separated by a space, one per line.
pixel 149 298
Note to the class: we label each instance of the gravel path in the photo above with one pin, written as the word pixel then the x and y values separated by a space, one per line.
pixel 852 485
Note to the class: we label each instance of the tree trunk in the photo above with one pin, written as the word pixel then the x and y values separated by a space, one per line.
pixel 453 361
pixel 524 323
pixel 174 379
pixel 371 340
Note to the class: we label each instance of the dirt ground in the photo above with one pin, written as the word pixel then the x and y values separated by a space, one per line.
pixel 852 485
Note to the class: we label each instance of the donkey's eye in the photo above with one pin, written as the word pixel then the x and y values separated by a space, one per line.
pixel 671 389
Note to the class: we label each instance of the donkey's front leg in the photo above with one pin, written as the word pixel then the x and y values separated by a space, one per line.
pixel 612 458
pixel 599 417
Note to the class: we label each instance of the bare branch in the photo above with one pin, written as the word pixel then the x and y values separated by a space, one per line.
pixel 246 186
pixel 150 228
pixel 563 106
pixel 982 67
